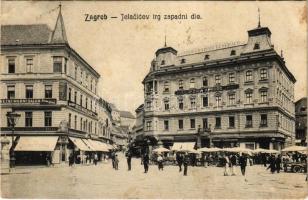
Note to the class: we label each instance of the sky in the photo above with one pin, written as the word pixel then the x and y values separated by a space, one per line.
pixel 121 51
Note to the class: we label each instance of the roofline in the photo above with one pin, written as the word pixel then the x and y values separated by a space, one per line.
pixel 58 45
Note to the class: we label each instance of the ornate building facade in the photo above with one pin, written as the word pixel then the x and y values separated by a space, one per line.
pixel 55 92
pixel 233 95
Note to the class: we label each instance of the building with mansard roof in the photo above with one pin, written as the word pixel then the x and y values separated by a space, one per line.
pixel 54 89
pixel 223 96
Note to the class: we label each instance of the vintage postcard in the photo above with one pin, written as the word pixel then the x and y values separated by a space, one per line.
pixel 153 99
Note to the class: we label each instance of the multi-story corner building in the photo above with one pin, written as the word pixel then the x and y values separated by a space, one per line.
pixel 301 121
pixel 104 121
pixel 232 95
pixel 54 90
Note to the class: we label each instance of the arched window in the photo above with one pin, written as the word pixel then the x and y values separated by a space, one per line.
pixel 163 62
pixel 192 83
pixel 206 57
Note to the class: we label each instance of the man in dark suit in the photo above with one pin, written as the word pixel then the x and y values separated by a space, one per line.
pixel 243 163
pixel 179 160
pixel 186 162
pixel 146 162
pixel 129 160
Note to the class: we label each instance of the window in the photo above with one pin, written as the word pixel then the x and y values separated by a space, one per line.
pixel 86 102
pixel 163 62
pixel 48 91
pixel 81 99
pixel 75 97
pixel 166 125
pixel 69 94
pixel 263 74
pixel 205 123
pixel 217 79
pixel 149 104
pixel 86 81
pixel 181 85
pixel 263 95
pixel 181 105
pixel 180 124
pixel 248 121
pixel 91 82
pixel 205 82
pixel 192 83
pixel 231 122
pixel 206 57
pixel 249 97
pixel 69 120
pixel 217 122
pixel 81 123
pixel 75 122
pixel 81 76
pixel 218 100
pixel 231 99
pixel 149 125
pixel 205 101
pixel 166 86
pixel 48 118
pixel 233 52
pixel 65 65
pixel 166 104
pixel 193 103
pixel 249 75
pixel 192 123
pixel 76 73
pixel 11 65
pixel 28 119
pixel 29 91
pixel 183 60
pixel 29 65
pixel 257 46
pixel 57 64
pixel 231 78
pixel 263 120
pixel 11 92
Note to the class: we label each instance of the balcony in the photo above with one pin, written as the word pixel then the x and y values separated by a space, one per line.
pixel 82 109
pixel 29 101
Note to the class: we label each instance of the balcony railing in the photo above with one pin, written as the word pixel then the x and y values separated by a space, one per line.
pixel 80 108
pixel 29 101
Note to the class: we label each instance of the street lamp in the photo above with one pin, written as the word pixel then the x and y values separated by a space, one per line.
pixel 12 119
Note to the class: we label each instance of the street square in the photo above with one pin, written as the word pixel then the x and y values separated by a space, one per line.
pixel 102 181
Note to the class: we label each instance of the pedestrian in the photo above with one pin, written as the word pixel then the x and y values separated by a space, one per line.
pixel 233 164
pixel 146 163
pixel 278 163
pixel 272 164
pixel 95 159
pixel 179 159
pixel 71 160
pixel 185 162
pixel 112 156
pixel 243 164
pixel 225 162
pixel 160 162
pixel 129 160
pixel 116 162
pixel 263 158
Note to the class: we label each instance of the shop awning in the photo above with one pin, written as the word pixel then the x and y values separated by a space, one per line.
pixel 36 143
pixel 89 145
pixel 109 146
pixel 183 146
pixel 99 146
pixel 80 144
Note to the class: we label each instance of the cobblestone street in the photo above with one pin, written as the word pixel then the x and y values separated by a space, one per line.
pixel 102 181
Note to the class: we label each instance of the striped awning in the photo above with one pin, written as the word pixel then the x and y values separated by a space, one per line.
pixel 98 146
pixel 80 144
pixel 36 143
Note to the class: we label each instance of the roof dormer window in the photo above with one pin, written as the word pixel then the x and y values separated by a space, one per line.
pixel 257 46
pixel 233 52
pixel 183 60
pixel 162 62
pixel 206 57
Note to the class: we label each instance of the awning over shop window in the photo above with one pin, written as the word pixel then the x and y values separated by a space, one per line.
pixel 36 143
pixel 109 146
pixel 183 146
pixel 80 144
pixel 99 146
pixel 89 145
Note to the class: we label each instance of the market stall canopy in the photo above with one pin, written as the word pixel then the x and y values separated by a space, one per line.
pixel 194 151
pixel 183 146
pixel 36 143
pixel 260 150
pixel 238 150
pixel 160 150
pixel 295 148
pixel 98 146
pixel 80 144
pixel 205 149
